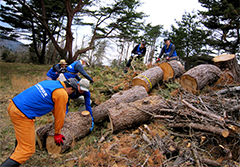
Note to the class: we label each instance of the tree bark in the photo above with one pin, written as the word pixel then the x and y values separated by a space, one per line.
pixel 135 93
pixel 199 76
pixel 76 126
pixel 128 115
pixel 172 69
pixel 208 128
pixel 228 62
pixel 148 78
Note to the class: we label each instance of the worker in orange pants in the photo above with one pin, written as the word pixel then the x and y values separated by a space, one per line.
pixel 36 101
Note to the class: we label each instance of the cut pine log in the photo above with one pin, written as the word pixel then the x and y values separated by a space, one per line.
pixel 198 77
pixel 172 69
pixel 228 62
pixel 76 126
pixel 135 93
pixel 207 128
pixel 148 78
pixel 128 115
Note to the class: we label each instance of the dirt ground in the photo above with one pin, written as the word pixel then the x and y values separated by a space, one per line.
pixel 153 143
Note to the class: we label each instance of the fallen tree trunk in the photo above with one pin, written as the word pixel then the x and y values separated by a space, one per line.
pixel 228 62
pixel 207 128
pixel 172 69
pixel 148 78
pixel 135 93
pixel 199 76
pixel 76 126
pixel 128 115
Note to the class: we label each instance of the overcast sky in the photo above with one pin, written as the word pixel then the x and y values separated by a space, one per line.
pixel 164 12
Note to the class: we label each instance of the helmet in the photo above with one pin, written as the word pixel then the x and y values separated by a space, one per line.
pixel 85 60
pixel 62 61
pixel 166 39
pixel 143 42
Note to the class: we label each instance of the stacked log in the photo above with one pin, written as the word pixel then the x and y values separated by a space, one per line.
pixel 228 63
pixel 128 115
pixel 130 95
pixel 148 78
pixel 172 69
pixel 196 78
pixel 76 126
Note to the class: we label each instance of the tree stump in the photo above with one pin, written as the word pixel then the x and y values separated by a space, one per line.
pixel 172 69
pixel 128 115
pixel 228 62
pixel 148 78
pixel 130 95
pixel 199 76
pixel 76 126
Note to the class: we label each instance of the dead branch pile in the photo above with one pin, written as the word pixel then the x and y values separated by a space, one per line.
pixel 191 131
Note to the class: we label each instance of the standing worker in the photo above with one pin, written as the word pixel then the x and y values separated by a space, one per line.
pixel 169 49
pixel 75 67
pixel 56 69
pixel 140 51
pixel 36 101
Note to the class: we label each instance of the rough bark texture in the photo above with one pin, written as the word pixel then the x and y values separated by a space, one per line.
pixel 199 76
pixel 76 126
pixel 208 128
pixel 172 69
pixel 128 115
pixel 228 62
pixel 148 78
pixel 130 95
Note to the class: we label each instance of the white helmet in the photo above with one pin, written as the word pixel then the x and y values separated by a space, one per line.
pixel 85 60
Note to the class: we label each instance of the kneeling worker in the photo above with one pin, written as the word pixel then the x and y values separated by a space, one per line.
pixel 36 101
pixel 83 91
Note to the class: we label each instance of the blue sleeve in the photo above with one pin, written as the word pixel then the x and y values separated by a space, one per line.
pixel 78 67
pixel 87 96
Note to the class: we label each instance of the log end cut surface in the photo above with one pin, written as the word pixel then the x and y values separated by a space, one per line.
pixel 52 147
pixel 167 71
pixel 188 83
pixel 140 82
pixel 224 57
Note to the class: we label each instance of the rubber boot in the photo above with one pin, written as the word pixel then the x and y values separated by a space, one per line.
pixel 10 163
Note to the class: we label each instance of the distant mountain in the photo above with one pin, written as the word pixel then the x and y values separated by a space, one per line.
pixel 12 44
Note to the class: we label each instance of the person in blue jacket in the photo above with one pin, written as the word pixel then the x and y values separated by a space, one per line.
pixel 83 90
pixel 56 69
pixel 36 101
pixel 169 49
pixel 74 68
pixel 140 51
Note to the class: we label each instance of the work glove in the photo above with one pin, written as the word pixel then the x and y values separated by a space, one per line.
pixel 91 81
pixel 59 139
pixel 92 125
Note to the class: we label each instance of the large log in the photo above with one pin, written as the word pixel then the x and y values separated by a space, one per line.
pixel 148 78
pixel 228 62
pixel 41 134
pixel 128 115
pixel 199 76
pixel 135 93
pixel 172 69
pixel 76 126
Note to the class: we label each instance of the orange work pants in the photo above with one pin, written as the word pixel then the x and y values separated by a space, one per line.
pixel 24 132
